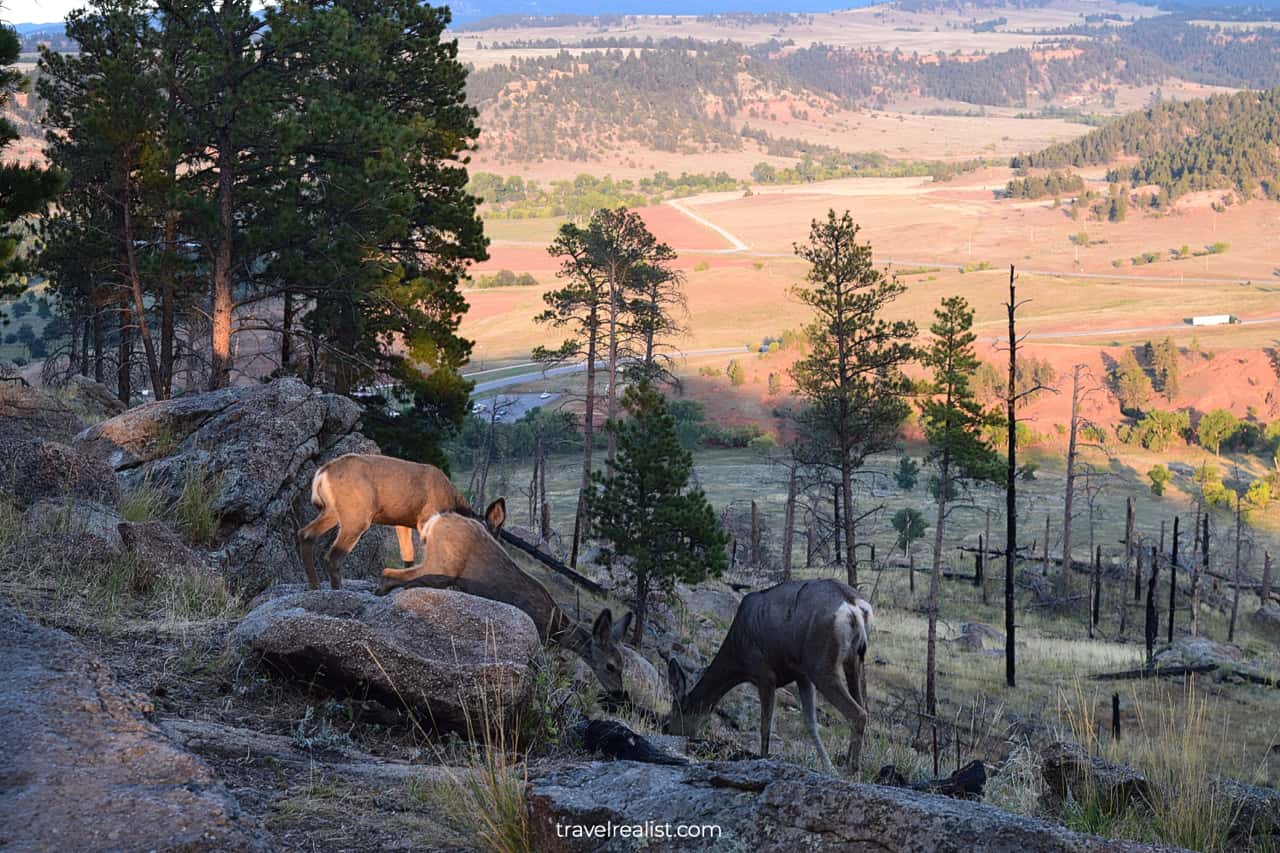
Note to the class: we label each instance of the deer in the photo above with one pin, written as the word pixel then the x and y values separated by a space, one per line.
pixel 466 555
pixel 358 490
pixel 810 633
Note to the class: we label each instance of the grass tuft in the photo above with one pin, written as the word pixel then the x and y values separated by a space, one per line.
pixel 195 510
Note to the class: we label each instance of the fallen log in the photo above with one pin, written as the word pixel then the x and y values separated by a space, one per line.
pixel 1252 676
pixel 967 783
pixel 551 562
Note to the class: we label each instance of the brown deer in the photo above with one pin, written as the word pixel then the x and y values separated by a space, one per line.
pixel 466 555
pixel 357 490
pixel 810 633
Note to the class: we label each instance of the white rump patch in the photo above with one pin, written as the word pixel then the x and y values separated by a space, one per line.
pixel 852 622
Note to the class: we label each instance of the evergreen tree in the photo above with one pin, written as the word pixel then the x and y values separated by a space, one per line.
pixel 1132 385
pixel 910 524
pixel 1215 427
pixel 852 376
pixel 955 425
pixel 651 521
pixel 906 473
pixel 24 190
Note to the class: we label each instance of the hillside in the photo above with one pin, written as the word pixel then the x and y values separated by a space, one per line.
pixel 1222 142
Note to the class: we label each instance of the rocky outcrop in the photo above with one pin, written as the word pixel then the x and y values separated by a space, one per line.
pixel 451 657
pixel 92 400
pixel 1196 651
pixel 767 805
pixel 32 469
pixel 27 413
pixel 258 446
pixel 158 547
pixel 83 769
pixel 1069 770
pixel 74 526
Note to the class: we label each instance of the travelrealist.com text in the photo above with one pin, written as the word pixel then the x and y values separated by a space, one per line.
pixel 647 829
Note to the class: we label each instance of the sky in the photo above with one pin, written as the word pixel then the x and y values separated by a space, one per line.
pixel 37 11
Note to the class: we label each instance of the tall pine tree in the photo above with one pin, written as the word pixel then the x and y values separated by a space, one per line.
pixel 953 422
pixel 852 376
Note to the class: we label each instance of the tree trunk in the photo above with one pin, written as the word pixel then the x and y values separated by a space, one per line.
pixel 1068 498
pixel 1129 551
pixel 286 331
pixel 1173 578
pixel 168 296
pixel 124 359
pixel 1011 493
pixel 755 534
pixel 1097 587
pixel 846 488
pixel 1045 559
pixel 86 332
pixel 1235 596
pixel 223 296
pixel 641 608
pixel 588 436
pixel 612 391
pixel 931 664
pixel 1266 580
pixel 1203 539
pixel 1153 617
pixel 788 525
pixel 986 547
pixel 99 346
pixel 139 305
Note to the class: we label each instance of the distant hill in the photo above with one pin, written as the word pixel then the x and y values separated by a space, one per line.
pixel 469 11
pixel 1221 142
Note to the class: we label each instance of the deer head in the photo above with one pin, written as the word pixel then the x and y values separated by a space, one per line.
pixel 684 718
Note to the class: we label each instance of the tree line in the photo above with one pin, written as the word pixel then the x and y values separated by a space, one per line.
pixel 281 190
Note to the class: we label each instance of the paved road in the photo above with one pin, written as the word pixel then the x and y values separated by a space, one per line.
pixel 566 369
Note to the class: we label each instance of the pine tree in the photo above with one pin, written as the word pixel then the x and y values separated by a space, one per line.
pixel 643 509
pixel 24 190
pixel 1132 385
pixel 852 376
pixel 955 425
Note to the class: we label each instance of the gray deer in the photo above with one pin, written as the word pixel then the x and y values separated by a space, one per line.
pixel 810 633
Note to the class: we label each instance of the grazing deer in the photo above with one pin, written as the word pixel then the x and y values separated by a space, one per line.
pixel 357 490
pixel 812 633
pixel 466 555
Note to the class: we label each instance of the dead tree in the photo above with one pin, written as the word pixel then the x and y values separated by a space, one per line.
pixel 1153 617
pixel 1265 592
pixel 789 523
pixel 1068 498
pixel 1129 551
pixel 1235 597
pixel 1097 588
pixel 1173 578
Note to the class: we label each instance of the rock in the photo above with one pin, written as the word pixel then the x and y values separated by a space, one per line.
pixel 1067 767
pixel 83 528
pixel 712 598
pixel 28 413
pixel 159 548
pixel 34 469
pixel 764 805
pixel 1267 618
pixel 450 656
pixel 92 400
pixel 259 445
pixel 1255 811
pixel 1196 651
pixel 84 770
pixel 974 635
pixel 645 687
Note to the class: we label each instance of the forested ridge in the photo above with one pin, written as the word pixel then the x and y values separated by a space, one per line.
pixel 1224 141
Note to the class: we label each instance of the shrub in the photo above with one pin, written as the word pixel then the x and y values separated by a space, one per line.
pixel 1160 478
pixel 736 374
pixel 701 266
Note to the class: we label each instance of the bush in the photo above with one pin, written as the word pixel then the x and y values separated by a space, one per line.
pixel 1160 478
pixel 907 473
pixel 701 266
pixel 736 374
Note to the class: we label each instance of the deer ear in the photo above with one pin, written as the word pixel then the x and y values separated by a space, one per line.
pixel 496 515
pixel 602 630
pixel 676 678
pixel 622 626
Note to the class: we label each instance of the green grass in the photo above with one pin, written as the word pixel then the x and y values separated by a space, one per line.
pixel 195 510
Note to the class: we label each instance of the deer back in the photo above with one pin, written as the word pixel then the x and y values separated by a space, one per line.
pixel 384 490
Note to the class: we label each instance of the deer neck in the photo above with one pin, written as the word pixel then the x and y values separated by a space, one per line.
pixel 569 634
pixel 719 678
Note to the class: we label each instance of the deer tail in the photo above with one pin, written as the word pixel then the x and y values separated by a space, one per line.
pixel 319 484
pixel 861 614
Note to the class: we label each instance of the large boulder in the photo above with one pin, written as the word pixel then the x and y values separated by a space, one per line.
pixel 453 658
pixel 764 805
pixel 81 768
pixel 92 400
pixel 32 469
pixel 259 446
pixel 1196 651
pixel 27 413
pixel 72 530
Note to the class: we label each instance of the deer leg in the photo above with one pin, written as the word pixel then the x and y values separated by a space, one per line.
pixel 809 704
pixel 347 538
pixel 766 716
pixel 404 535
pixel 855 674
pixel 836 691
pixel 307 536
pixel 397 579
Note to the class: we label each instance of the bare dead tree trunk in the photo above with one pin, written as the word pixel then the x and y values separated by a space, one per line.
pixel 1046 547
pixel 1097 587
pixel 99 346
pixel 1195 576
pixel 1173 578
pixel 1068 498
pixel 985 549
pixel 1129 550
pixel 588 438
pixel 1153 617
pixel 1235 596
pixel 788 524
pixel 1266 579
pixel 755 534
pixel 1010 494
pixel 223 304
pixel 931 660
